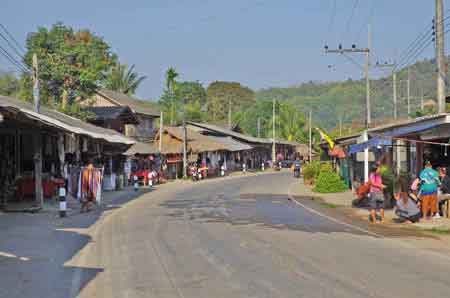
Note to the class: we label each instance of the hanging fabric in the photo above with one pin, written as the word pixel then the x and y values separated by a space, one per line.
pixel 84 145
pixel 91 183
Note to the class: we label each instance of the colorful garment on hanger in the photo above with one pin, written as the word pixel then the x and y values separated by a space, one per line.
pixel 91 183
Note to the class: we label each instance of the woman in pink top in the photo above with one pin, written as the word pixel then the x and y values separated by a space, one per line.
pixel 376 194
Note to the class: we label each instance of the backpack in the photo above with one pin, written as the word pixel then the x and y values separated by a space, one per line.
pixel 363 191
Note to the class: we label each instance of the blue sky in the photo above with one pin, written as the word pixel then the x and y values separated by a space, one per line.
pixel 260 43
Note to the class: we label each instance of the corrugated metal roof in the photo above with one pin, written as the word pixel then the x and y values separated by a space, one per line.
pixel 231 144
pixel 62 121
pixel 111 113
pixel 142 148
pixel 196 141
pixel 137 105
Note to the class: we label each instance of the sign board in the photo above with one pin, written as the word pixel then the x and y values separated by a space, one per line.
pixel 360 156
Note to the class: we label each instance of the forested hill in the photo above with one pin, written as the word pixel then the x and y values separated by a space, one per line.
pixel 345 100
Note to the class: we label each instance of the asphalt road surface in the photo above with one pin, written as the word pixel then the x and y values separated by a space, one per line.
pixel 244 238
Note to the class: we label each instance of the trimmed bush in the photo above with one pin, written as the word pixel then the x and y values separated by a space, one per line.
pixel 326 167
pixel 309 172
pixel 329 182
pixel 387 177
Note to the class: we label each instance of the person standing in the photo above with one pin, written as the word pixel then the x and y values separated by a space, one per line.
pixel 376 194
pixel 429 181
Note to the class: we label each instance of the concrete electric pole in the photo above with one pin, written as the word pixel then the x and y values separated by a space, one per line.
pixel 229 113
pixel 161 126
pixel 366 51
pixel 367 69
pixel 421 98
pixel 408 94
pixel 440 56
pixel 259 127
pixel 310 135
pixel 394 84
pixel 274 157
pixel 184 141
pixel 37 136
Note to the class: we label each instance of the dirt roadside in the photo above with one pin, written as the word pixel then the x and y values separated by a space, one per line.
pixel 433 235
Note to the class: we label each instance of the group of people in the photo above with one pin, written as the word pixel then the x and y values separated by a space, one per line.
pixel 421 199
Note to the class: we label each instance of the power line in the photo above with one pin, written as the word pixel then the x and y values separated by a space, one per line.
pixel 372 12
pixel 333 15
pixel 13 39
pixel 349 22
pixel 353 61
pixel 13 61
pixel 415 46
pixel 12 46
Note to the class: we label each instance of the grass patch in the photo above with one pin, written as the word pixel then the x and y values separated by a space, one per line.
pixel 439 231
pixel 328 205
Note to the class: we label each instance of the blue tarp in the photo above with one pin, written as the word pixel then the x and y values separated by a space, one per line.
pixel 374 142
pixel 384 138
pixel 412 128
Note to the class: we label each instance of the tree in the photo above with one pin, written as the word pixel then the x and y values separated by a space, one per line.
pixel 190 94
pixel 123 79
pixel 9 85
pixel 169 93
pixel 224 95
pixel 71 63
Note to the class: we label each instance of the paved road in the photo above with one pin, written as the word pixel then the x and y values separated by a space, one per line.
pixel 243 238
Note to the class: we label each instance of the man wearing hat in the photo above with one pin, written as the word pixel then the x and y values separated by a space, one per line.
pixel 429 181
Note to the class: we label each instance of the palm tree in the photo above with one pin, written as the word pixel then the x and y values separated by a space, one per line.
pixel 171 75
pixel 123 79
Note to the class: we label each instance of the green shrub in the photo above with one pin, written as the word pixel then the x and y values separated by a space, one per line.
pixel 387 177
pixel 308 172
pixel 326 167
pixel 329 182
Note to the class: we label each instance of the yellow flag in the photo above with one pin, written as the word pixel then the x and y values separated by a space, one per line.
pixel 326 138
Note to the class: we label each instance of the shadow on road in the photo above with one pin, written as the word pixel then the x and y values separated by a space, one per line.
pixel 35 248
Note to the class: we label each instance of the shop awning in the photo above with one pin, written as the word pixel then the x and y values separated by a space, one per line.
pixel 62 121
pixel 374 142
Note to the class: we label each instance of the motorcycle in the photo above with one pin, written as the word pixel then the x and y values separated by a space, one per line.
pixel 194 173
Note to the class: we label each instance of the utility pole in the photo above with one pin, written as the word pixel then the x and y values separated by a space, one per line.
pixel 340 125
pixel 229 113
pixel 394 93
pixel 310 135
pixel 184 141
pixel 366 51
pixel 259 127
pixel 161 125
pixel 37 137
pixel 367 68
pixel 421 98
pixel 273 133
pixel 408 84
pixel 440 56
pixel 394 84
pixel 36 85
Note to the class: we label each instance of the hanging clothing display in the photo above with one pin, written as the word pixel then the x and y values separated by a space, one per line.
pixel 91 183
pixel 70 144
pixel 84 145
pixel 73 181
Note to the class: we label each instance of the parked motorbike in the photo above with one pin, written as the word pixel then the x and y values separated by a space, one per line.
pixel 297 168
pixel 194 173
